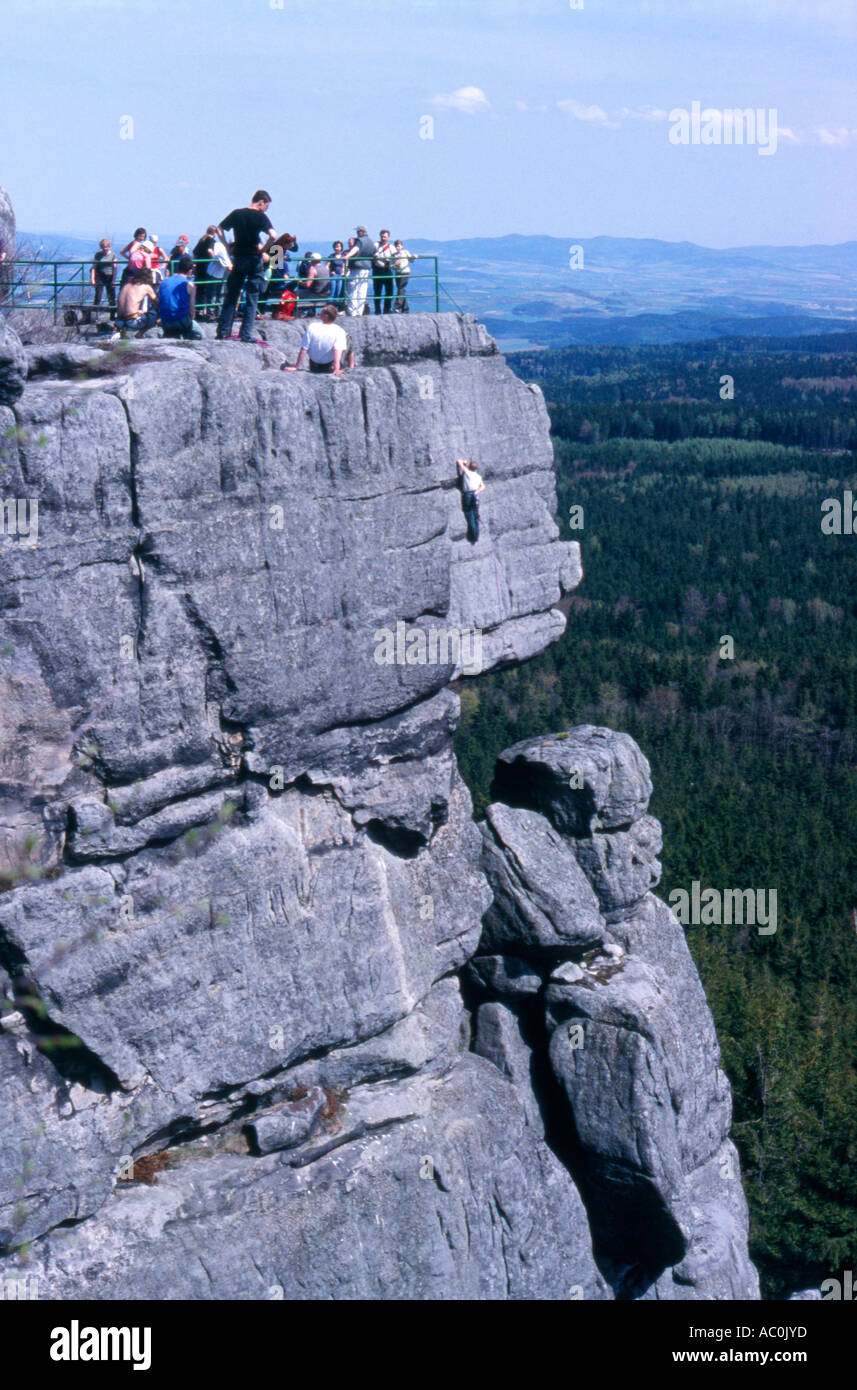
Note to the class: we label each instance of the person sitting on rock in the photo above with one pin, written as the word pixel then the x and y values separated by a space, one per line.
pixel 137 308
pixel 177 302
pixel 471 486
pixel 324 341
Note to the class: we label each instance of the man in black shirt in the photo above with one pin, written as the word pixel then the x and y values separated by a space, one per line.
pixel 248 261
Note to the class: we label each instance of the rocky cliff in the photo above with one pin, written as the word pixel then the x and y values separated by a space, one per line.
pixel 276 1014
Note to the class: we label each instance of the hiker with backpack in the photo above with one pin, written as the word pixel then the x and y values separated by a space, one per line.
pixel 471 486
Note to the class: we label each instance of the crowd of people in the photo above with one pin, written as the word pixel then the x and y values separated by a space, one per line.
pixel 244 253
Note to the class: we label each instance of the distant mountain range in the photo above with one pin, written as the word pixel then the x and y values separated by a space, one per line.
pixel 621 289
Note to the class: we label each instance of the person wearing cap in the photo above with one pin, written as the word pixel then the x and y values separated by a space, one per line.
pixel 180 249
pixel 359 258
pixel 157 259
pixel 324 342
pixel 315 286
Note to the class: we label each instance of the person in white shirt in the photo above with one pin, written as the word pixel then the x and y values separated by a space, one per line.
pixel 324 342
pixel 471 486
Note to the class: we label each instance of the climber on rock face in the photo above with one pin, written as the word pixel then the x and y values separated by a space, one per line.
pixel 471 486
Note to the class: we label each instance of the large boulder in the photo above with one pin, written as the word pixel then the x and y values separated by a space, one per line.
pixel 586 975
pixel 583 780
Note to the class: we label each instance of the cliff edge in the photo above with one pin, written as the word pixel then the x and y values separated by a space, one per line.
pixel 243 886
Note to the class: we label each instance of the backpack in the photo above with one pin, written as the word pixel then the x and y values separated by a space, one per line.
pixel 286 310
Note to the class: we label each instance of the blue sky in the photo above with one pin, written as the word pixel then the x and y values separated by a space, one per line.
pixel 547 119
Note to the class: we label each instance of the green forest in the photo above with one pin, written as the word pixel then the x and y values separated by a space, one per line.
pixel 717 624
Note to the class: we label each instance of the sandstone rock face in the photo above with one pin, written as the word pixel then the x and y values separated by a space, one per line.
pixel 249 1039
pixel 641 1109
pixel 7 235
pixel 13 364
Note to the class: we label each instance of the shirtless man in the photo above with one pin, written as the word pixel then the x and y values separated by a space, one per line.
pixel 138 303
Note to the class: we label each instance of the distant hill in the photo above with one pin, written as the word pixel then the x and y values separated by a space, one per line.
pixel 629 290
pixel 626 289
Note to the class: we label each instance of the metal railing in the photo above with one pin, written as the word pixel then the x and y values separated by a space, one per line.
pixel 57 286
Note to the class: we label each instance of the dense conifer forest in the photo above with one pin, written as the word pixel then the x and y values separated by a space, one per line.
pixel 717 624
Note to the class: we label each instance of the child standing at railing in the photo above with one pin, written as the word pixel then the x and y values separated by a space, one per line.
pixel 103 273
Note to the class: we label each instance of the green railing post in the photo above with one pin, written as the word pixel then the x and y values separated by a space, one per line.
pixel 436 288
pixel 55 291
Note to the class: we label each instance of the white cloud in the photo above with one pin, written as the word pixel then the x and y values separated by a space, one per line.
pixel 790 136
pixel 469 100
pixel 838 138
pixel 644 113
pixel 596 115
